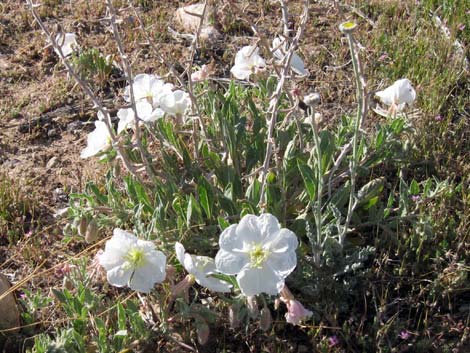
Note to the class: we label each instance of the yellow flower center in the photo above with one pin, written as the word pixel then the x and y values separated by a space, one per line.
pixel 258 256
pixel 136 257
pixel 347 27
pixel 202 263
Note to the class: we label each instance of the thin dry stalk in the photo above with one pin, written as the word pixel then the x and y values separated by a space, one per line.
pixel 274 102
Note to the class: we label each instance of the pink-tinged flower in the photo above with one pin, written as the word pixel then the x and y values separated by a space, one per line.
pixel 404 334
pixel 333 341
pixel 383 57
pixel 201 75
pixel 438 118
pixel 461 27
pixel 296 312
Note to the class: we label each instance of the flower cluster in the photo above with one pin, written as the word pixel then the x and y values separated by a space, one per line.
pixel 257 251
pixel 248 61
pixel 153 99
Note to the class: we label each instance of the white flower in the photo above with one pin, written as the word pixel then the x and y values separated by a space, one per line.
pixel 201 267
pixel 280 50
pixel 132 262
pixel 145 112
pixel 98 140
pixel 247 62
pixel 398 94
pixel 148 88
pixel 201 75
pixel 259 252
pixel 175 103
pixel 67 43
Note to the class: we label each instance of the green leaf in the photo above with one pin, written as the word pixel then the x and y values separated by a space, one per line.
pixel 380 139
pixel 222 223
pixel 102 199
pixel 204 199
pixel 414 187
pixel 308 178
pixel 371 189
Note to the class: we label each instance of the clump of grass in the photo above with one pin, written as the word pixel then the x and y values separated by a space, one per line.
pixel 17 211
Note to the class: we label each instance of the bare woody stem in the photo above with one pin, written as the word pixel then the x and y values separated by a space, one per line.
pixel 84 86
pixel 274 101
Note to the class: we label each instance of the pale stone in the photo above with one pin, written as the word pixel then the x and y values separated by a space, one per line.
pixel 189 22
pixel 9 313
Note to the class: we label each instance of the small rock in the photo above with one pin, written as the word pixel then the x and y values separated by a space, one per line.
pixel 52 133
pixel 51 163
pixel 190 23
pixel 74 126
pixel 209 35
pixel 9 313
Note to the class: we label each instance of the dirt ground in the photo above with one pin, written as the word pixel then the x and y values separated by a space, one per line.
pixel 45 118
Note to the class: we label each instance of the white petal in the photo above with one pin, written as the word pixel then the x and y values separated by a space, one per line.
pixel 179 250
pixel 268 225
pixel 67 43
pixel 283 264
pixel 278 48
pixel 203 267
pixel 119 276
pixel 241 72
pixel 406 92
pixel 250 229
pixel 229 240
pixel 145 277
pixel 399 93
pixel 189 263
pixel 97 140
pixel 253 281
pixel 387 95
pixel 258 61
pixel 282 241
pixel 298 65
pixel 214 284
pixel 230 263
pixel 126 119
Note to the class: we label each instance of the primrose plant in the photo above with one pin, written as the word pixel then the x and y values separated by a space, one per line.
pixel 243 165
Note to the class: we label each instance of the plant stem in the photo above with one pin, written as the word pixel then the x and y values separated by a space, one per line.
pixel 317 247
pixel 361 113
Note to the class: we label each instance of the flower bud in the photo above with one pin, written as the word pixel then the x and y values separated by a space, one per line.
pixel 203 331
pixel 82 226
pixel 312 99
pixel 91 234
pixel 265 319
pixel 233 312
pixel 252 305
